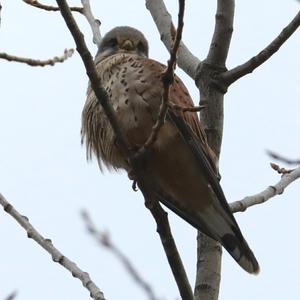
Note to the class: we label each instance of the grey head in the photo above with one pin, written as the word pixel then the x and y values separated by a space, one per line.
pixel 123 39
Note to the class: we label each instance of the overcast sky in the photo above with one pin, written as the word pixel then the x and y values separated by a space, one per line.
pixel 44 173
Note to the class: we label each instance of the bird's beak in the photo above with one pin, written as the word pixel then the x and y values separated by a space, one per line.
pixel 127 45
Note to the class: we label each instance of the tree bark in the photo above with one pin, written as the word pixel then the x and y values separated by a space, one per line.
pixel 209 252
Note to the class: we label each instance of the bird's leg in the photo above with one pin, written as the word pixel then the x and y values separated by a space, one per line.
pixel 139 159
pixel 130 171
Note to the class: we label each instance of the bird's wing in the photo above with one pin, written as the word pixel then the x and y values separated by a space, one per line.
pixel 180 169
pixel 185 179
pixel 179 95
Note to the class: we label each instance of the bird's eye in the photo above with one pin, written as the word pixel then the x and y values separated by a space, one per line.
pixel 141 47
pixel 112 42
pixel 107 46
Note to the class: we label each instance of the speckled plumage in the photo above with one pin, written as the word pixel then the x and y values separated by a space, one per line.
pixel 181 167
pixel 134 86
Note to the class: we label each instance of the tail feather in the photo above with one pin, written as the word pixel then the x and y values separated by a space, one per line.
pixel 223 230
pixel 240 251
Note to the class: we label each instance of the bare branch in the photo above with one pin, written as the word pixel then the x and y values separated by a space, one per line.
pixel 212 97
pixel 163 21
pixel 0 13
pixel 220 43
pixel 167 240
pixel 37 4
pixel 167 80
pixel 36 62
pixel 266 194
pixel 94 23
pixel 283 159
pixel 57 256
pixel 185 108
pixel 12 296
pixel 104 240
pixel 236 73
pixel 209 260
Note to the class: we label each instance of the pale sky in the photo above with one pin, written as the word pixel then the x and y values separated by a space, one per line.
pixel 44 173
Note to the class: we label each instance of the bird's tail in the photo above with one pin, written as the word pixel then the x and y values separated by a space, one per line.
pixel 222 229
pixel 238 248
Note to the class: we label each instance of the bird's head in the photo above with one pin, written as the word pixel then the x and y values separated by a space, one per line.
pixel 123 39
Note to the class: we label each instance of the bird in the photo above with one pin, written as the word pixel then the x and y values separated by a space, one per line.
pixel 181 167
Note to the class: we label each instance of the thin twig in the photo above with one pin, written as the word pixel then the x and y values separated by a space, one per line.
pixel 234 74
pixel 94 23
pixel 104 240
pixel 57 256
pixel 280 170
pixel 36 62
pixel 185 108
pixel 283 159
pixel 163 21
pixel 167 80
pixel 37 4
pixel 12 296
pixel 268 193
pixel 0 13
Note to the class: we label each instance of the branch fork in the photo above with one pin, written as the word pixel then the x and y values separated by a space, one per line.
pixel 209 74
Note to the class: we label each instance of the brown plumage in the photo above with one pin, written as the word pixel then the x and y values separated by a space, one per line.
pixel 181 166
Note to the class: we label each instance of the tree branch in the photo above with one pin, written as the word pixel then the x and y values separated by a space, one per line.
pixel 229 77
pixel 220 43
pixel 209 252
pixel 167 80
pixel 167 240
pixel 57 256
pixel 283 159
pixel 94 23
pixel 185 108
pixel 104 240
pixel 12 296
pixel 36 62
pixel 39 5
pixel 210 94
pixel 163 21
pixel 0 12
pixel 268 193
pixel 280 170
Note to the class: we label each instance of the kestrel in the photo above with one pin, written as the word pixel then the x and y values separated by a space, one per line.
pixel 181 166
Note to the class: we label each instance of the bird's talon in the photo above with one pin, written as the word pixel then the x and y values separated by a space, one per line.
pixel 131 176
pixel 134 186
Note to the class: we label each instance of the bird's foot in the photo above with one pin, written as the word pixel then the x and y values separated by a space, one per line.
pixel 132 176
